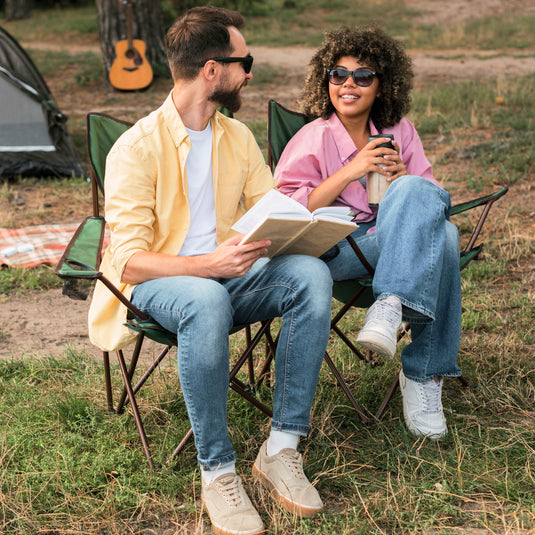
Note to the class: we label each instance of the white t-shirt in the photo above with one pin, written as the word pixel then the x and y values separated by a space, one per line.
pixel 201 237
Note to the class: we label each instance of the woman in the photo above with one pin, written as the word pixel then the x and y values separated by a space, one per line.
pixel 358 84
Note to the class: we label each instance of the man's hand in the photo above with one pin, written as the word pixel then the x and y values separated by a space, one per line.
pixel 230 260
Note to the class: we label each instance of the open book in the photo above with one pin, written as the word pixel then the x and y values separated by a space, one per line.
pixel 291 228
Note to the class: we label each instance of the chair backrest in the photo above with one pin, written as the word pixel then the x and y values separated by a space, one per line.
pixel 282 126
pixel 102 132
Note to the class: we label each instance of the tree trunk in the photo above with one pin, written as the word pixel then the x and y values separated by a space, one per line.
pixel 147 26
pixel 18 9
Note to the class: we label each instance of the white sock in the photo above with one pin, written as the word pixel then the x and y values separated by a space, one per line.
pixel 280 440
pixel 209 474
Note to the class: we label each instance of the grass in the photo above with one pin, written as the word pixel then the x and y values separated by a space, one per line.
pixel 67 466
pixel 15 281
pixel 302 23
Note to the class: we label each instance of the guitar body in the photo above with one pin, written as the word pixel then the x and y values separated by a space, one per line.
pixel 130 69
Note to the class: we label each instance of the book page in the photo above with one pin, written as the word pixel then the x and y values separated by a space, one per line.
pixel 273 202
pixel 341 213
pixel 279 230
pixel 319 237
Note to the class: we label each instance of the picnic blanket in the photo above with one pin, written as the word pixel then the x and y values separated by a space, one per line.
pixel 33 246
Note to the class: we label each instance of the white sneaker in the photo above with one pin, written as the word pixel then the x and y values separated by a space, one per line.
pixel 380 330
pixel 422 407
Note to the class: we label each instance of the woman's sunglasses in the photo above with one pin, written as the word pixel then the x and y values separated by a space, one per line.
pixel 246 62
pixel 362 77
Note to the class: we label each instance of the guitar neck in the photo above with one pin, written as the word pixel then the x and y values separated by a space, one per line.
pixel 128 4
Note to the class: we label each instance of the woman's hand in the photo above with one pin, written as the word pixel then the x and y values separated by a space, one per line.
pixel 370 159
pixel 394 165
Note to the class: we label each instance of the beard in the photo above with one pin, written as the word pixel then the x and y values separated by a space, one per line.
pixel 228 98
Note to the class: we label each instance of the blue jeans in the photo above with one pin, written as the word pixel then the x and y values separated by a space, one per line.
pixel 415 253
pixel 202 312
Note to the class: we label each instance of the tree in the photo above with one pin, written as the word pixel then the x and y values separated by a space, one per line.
pixel 18 9
pixel 147 25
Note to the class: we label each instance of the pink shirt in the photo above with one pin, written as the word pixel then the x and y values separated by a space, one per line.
pixel 322 147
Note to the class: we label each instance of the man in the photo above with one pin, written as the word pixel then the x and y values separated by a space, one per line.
pixel 174 183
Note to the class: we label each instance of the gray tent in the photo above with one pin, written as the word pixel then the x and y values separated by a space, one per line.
pixel 34 140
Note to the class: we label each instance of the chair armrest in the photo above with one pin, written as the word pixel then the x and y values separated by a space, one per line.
pixel 462 207
pixel 81 259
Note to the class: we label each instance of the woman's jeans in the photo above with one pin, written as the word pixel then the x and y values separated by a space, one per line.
pixel 203 311
pixel 415 253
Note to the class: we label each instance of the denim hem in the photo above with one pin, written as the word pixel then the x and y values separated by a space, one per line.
pixel 425 379
pixel 301 430
pixel 423 315
pixel 214 463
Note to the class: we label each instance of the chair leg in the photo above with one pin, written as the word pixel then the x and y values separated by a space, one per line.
pixel 393 387
pixel 271 348
pixel 250 363
pixel 363 418
pixel 107 379
pixel 149 371
pixel 135 410
pixel 131 370
pixel 187 437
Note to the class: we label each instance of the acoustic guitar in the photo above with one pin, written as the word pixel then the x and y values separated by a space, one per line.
pixel 130 69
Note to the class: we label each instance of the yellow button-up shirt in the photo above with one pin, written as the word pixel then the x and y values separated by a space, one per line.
pixel 146 201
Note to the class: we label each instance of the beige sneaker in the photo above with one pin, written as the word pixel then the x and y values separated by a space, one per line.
pixel 230 509
pixel 283 475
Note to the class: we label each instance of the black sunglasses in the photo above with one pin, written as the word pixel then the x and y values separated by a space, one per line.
pixel 362 77
pixel 246 62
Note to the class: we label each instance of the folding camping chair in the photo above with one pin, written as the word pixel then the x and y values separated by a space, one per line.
pixel 282 125
pixel 81 261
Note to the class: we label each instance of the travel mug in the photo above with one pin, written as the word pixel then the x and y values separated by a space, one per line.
pixel 376 183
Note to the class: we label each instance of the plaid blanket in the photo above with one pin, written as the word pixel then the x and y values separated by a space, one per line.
pixel 32 246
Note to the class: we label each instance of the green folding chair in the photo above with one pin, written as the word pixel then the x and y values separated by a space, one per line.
pixel 81 261
pixel 282 125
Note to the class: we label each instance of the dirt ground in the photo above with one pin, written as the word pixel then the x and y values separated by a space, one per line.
pixel 45 323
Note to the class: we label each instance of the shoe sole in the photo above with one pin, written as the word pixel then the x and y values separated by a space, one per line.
pixel 414 430
pixel 283 501
pixel 377 343
pixel 222 531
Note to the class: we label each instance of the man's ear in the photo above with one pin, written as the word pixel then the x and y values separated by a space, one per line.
pixel 209 69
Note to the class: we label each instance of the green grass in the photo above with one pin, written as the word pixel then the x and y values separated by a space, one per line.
pixel 69 465
pixel 82 68
pixel 46 24
pixel 302 23
pixel 15 281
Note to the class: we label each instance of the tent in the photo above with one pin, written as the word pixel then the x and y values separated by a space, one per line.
pixel 34 140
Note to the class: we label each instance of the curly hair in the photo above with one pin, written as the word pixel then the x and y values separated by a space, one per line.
pixel 370 46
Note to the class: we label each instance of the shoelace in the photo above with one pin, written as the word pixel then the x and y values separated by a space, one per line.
pixel 294 461
pixel 385 311
pixel 229 489
pixel 431 394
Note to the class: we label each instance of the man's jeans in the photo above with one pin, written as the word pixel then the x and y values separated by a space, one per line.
pixel 415 253
pixel 202 312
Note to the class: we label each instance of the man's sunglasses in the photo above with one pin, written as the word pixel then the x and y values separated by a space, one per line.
pixel 246 62
pixel 362 77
